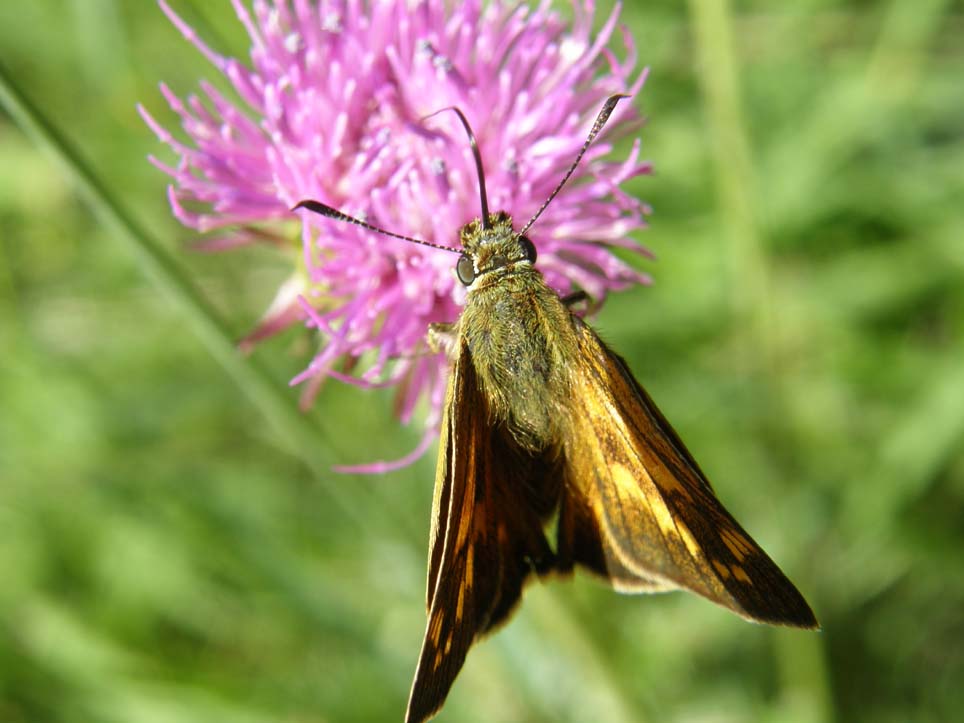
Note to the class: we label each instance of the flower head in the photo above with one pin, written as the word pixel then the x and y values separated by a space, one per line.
pixel 334 105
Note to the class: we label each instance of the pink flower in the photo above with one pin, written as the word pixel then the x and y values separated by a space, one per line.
pixel 333 106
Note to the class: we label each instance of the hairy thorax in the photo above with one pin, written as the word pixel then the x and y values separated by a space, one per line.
pixel 520 336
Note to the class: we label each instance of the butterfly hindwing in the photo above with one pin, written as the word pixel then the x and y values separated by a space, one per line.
pixel 487 536
pixel 638 510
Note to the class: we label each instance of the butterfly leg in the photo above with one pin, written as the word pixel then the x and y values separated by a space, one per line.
pixel 442 337
pixel 579 297
pixel 575 297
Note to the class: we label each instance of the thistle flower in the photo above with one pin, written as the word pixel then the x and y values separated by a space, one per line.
pixel 334 106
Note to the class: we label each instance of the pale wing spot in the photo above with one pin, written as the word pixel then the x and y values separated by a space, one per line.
pixel 435 627
pixel 733 548
pixel 465 522
pixel 740 574
pixel 469 561
pixel 744 543
pixel 622 477
pixel 670 484
pixel 722 569
pixel 625 480
pixel 448 646
pixel 438 657
pixel 691 544
pixel 736 543
pixel 460 604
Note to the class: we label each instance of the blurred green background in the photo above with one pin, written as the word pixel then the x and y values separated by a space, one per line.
pixel 167 554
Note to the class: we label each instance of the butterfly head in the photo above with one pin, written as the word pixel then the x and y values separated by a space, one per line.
pixel 492 247
pixel 489 243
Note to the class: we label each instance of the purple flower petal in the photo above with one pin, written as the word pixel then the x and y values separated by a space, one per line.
pixel 333 104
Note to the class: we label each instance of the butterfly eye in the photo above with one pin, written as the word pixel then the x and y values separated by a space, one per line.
pixel 465 270
pixel 528 248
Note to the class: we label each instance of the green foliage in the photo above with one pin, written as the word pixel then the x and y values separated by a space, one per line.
pixel 174 547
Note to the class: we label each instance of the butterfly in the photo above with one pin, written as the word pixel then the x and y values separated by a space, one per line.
pixel 546 435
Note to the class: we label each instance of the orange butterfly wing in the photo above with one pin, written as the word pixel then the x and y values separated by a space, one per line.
pixel 491 502
pixel 638 510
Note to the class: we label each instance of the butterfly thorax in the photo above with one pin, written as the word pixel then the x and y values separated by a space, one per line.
pixel 519 334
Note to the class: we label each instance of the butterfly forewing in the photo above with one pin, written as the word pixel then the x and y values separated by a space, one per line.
pixel 487 536
pixel 647 507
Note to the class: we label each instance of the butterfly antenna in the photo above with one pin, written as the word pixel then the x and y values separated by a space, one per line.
pixel 478 161
pixel 329 212
pixel 601 119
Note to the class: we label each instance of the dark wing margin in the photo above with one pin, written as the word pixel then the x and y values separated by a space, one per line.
pixel 487 535
pixel 638 510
